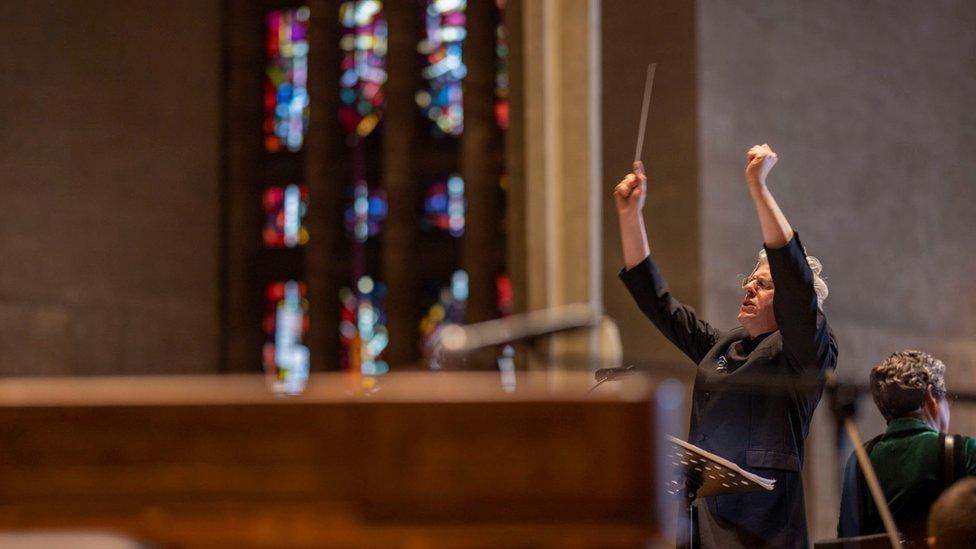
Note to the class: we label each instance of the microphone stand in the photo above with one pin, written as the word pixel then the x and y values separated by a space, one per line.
pixel 460 342
pixel 604 375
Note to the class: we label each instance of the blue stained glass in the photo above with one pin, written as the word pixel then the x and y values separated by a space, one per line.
pixel 286 101
pixel 362 329
pixel 365 215
pixel 441 100
pixel 363 66
pixel 444 205
pixel 284 210
pixel 285 357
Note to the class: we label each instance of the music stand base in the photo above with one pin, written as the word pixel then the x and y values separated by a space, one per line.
pixel 691 494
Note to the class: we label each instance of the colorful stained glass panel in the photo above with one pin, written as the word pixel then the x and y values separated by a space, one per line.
pixel 286 100
pixel 444 205
pixel 284 212
pixel 362 328
pixel 441 99
pixel 501 68
pixel 363 66
pixel 365 215
pixel 286 359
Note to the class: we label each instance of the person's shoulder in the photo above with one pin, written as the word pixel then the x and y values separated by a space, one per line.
pixel 924 436
pixel 911 439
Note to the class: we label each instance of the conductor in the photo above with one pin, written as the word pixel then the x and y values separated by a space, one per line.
pixel 758 384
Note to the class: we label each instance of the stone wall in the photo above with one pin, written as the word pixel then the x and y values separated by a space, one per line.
pixel 870 106
pixel 635 34
pixel 110 155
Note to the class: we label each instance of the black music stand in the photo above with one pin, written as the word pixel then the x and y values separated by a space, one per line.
pixel 699 473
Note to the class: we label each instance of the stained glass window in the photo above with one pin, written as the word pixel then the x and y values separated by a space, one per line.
pixel 444 205
pixel 441 100
pixel 501 68
pixel 451 304
pixel 504 295
pixel 284 213
pixel 286 359
pixel 363 67
pixel 286 101
pixel 365 215
pixel 362 328
pixel 363 41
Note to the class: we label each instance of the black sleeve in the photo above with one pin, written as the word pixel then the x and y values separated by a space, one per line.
pixel 808 343
pixel 677 322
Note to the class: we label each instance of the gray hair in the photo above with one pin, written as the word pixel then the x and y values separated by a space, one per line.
pixel 899 384
pixel 819 284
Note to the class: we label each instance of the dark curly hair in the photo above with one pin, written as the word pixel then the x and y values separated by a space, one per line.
pixel 899 384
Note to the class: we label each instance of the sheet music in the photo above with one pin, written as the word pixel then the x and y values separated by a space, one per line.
pixel 726 479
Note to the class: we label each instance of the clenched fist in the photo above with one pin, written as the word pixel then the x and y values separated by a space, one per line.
pixel 630 193
pixel 759 160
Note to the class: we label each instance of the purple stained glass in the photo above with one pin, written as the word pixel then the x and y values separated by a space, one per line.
pixel 441 99
pixel 286 100
pixel 363 66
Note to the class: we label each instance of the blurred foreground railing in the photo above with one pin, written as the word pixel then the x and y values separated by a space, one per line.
pixel 420 459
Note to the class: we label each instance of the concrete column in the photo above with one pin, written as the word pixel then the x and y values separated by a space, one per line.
pixel 562 161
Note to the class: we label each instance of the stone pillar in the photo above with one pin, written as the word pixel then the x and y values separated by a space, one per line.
pixel 562 159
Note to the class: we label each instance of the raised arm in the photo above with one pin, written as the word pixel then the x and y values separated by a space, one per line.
pixel 807 340
pixel 776 229
pixel 678 322
pixel 629 196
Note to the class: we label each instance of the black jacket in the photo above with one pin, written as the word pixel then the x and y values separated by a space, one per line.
pixel 752 403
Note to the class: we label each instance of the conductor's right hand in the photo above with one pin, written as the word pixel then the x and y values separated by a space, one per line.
pixel 629 194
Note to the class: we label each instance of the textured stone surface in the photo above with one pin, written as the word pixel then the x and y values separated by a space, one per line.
pixel 110 151
pixel 870 106
pixel 635 34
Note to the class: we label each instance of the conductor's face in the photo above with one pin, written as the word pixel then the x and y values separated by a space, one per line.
pixel 756 312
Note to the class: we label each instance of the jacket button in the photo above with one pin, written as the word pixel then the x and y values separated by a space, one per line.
pixel 707 395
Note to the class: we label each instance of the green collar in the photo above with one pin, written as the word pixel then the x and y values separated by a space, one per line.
pixel 904 425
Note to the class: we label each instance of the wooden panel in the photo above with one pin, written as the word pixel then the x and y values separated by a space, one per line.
pixel 193 464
